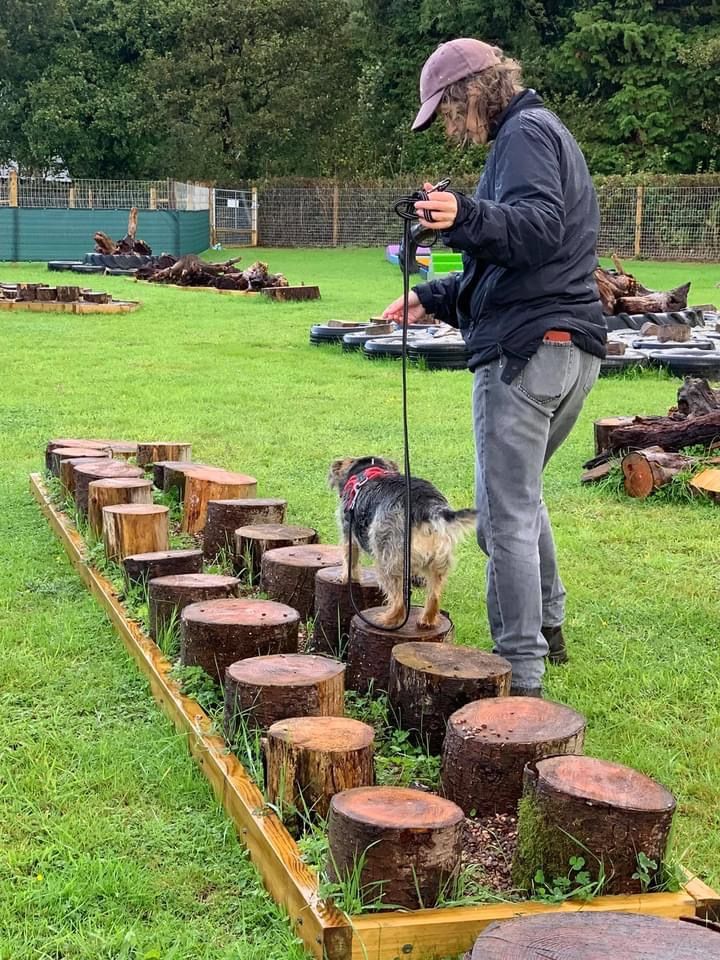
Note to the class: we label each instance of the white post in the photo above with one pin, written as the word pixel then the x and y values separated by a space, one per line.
pixel 254 238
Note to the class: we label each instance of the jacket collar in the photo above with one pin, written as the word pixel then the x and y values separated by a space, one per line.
pixel 526 99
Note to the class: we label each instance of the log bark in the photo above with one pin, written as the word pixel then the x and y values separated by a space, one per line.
pixel 170 474
pixel 604 427
pixel 334 607
pixel 696 397
pixel 47 293
pixel 411 843
pixel 203 484
pixel 73 453
pixel 68 294
pixel 288 574
pixel 217 633
pixel 141 568
pixel 431 681
pixel 311 759
pixel 259 691
pixel 670 433
pixel 370 648
pixel 251 543
pixel 489 742
pixel 604 812
pixel 655 302
pixel 85 473
pixel 111 491
pixel 225 516
pixel 134 528
pixel 99 445
pixel 68 467
pixel 169 595
pixel 149 453
pixel 645 471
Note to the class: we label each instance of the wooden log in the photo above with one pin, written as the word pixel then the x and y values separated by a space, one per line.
pixel 696 397
pixel 334 608
pixel 602 429
pixel 655 301
pixel 111 491
pixel 225 516
pixel 311 759
pixel 288 574
pixel 96 296
pixel 99 445
pixel 73 453
pixel 85 473
pixel 122 449
pixel 405 844
pixel 595 936
pixel 149 453
pixel 67 294
pixel 670 433
pixel 370 648
pixel 292 293
pixel 169 595
pixel 488 743
pixel 170 474
pixel 262 690
pixel 27 291
pixel 46 293
pixel 134 528
pixel 431 681
pixel 707 483
pixel 597 473
pixel 68 468
pixel 645 471
pixel 203 484
pixel 251 543
pixel 606 813
pixel 217 633
pixel 141 568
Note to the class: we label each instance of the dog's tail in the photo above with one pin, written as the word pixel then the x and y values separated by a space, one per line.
pixel 465 518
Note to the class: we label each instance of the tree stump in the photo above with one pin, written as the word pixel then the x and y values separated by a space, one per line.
pixel 99 445
pixel 288 574
pixel 370 648
pixel 96 296
pixel 604 812
pixel 73 453
pixel 225 516
pixel 149 453
pixel 707 483
pixel 310 759
pixel 217 633
pixel 113 490
pixel 261 690
pixel 85 473
pixel 47 293
pixel 411 842
pixel 203 484
pixel 604 427
pixel 170 474
pixel 488 743
pixel 169 595
pixel 431 681
pixel 134 528
pixel 68 468
pixel 595 936
pixel 252 542
pixel 141 568
pixel 122 449
pixel 645 471
pixel 334 608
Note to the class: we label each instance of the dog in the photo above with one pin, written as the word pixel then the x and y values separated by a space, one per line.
pixel 372 490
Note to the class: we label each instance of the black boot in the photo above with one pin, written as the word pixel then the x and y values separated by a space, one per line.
pixel 527 692
pixel 557 652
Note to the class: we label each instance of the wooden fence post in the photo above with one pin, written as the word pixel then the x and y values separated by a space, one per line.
pixel 153 198
pixel 639 202
pixel 13 189
pixel 71 197
pixel 254 237
pixel 336 214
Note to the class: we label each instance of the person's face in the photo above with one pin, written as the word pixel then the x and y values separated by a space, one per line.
pixel 462 126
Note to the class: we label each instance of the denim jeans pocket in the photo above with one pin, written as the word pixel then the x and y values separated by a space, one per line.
pixel 544 378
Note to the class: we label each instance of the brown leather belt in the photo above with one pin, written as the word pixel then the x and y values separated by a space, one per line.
pixel 557 336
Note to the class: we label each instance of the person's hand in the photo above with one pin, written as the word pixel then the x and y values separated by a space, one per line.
pixel 443 206
pixel 416 311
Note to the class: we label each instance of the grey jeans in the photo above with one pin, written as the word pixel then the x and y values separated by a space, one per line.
pixel 518 427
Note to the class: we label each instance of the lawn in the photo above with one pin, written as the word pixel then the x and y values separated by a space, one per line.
pixel 111 845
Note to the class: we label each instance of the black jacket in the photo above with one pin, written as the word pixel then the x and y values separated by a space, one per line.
pixel 528 241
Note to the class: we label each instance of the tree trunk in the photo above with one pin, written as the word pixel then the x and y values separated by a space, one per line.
pixel 85 474
pixel 370 648
pixel 104 243
pixel 431 681
pixel 288 574
pixel 262 690
pixel 645 471
pixel 489 742
pixel 141 568
pixel 67 294
pixel 217 633
pixel 134 528
pixel 603 428
pixel 47 293
pixel 696 397
pixel 292 293
pixel 667 432
pixel 668 301
pixel 149 453
pixel 334 607
pixel 604 812
pixel 111 491
pixel 68 468
pixel 311 759
pixel 169 595
pixel 170 474
pixel 252 542
pixel 406 844
pixel 73 453
pixel 27 291
pixel 225 516
pixel 132 223
pixel 203 484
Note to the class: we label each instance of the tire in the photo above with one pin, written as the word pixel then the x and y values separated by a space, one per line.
pixel 86 268
pixel 688 363
pixel 631 359
pixel 352 342
pixel 116 272
pixel 383 347
pixel 58 265
pixel 321 333
pixel 694 318
pixel 653 344
pixel 441 354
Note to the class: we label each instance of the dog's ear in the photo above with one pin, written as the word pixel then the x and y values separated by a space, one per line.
pixel 338 472
pixel 391 465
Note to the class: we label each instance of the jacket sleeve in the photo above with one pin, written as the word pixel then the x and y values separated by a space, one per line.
pixel 439 297
pixel 525 225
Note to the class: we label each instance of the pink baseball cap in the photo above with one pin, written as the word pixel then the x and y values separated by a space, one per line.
pixel 451 62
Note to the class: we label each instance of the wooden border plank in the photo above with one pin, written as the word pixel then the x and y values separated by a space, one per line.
pixel 58 306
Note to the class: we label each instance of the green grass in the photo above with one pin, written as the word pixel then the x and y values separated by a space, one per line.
pixel 110 843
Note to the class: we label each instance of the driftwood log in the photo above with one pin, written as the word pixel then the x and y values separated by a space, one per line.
pixel 111 491
pixel 696 397
pixel 335 607
pixel 288 574
pixel 150 453
pixel 169 595
pixel 141 568
pixel 224 517
pixel 620 292
pixel 251 543
pixel 191 271
pixel 203 484
pixel 84 474
pixel 128 244
pixel 134 528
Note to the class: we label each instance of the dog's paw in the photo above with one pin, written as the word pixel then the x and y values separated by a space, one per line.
pixel 427 623
pixel 344 577
pixel 389 619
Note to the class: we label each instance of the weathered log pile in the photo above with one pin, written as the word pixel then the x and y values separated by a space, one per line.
pixel 191 271
pixel 621 292
pixel 128 244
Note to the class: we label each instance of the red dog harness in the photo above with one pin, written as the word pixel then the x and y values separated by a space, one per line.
pixel 357 481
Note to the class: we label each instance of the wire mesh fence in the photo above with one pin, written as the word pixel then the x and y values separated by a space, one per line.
pixel 89 194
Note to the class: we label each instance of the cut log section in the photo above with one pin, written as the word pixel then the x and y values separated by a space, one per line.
pixel 203 484
pixel 170 474
pixel 292 293
pixel 73 453
pixel 670 433
pixel 370 648
pixel 262 690
pixel 47 293
pixel 113 490
pixel 67 294
pixel 597 473
pixel 603 428
pixel 84 474
pixel 122 449
pixel 168 596
pixel 134 528
pixel 217 633
pixel 288 574
pixel 645 471
pixel 68 468
pixel 707 482
pixel 595 936
pixel 405 844
pixel 431 681
pixel 252 542
pixel 604 812
pixel 99 445
pixel 149 453
pixel 311 759
pixel 488 743
pixel 225 516
pixel 334 608
pixel 141 568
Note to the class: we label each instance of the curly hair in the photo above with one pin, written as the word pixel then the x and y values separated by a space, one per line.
pixel 470 105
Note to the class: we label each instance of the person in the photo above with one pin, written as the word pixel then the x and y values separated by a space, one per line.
pixel 527 305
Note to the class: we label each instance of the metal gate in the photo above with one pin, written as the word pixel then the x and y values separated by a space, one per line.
pixel 234 214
